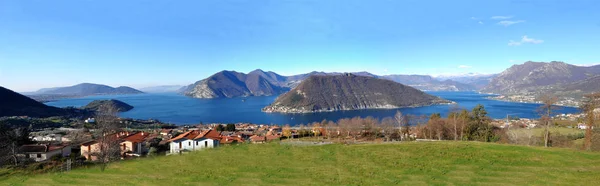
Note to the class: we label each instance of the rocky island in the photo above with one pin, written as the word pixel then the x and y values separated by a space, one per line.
pixel 349 92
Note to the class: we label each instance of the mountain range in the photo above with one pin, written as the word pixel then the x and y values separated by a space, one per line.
pixel 530 78
pixel 349 92
pixel 87 89
pixel 79 90
pixel 260 83
pixel 536 78
pixel 478 81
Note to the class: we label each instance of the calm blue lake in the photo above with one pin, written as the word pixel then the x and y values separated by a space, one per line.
pixel 178 109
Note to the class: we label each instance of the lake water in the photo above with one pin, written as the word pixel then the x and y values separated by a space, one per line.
pixel 178 109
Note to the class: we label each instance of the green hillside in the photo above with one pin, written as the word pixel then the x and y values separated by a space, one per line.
pixel 421 163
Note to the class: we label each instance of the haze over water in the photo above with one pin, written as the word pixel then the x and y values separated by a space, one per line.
pixel 178 109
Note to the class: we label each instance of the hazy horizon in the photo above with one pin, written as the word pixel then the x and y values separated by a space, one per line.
pixel 140 44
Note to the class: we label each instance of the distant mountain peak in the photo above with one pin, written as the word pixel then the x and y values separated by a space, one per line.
pixel 86 89
pixel 258 70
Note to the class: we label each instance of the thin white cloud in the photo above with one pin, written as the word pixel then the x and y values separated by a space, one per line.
pixel 473 18
pixel 525 40
pixel 508 23
pixel 464 66
pixel 481 22
pixel 501 17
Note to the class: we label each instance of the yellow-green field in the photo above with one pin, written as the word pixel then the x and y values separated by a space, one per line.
pixel 420 163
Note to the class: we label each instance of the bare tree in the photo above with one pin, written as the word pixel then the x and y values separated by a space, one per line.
pixel 546 109
pixel 316 129
pixel 403 124
pixel 78 137
pixel 344 127
pixel 287 131
pixel 463 118
pixel 591 103
pixel 406 126
pixel 11 140
pixel 388 128
pixel 454 119
pixel 330 129
pixel 107 135
pixel 422 123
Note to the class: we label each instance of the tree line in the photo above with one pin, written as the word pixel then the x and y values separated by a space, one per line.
pixel 460 124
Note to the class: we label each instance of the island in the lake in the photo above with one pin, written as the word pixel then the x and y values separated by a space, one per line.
pixel 349 92
pixel 99 105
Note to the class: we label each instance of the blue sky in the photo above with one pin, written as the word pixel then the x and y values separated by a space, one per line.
pixel 144 43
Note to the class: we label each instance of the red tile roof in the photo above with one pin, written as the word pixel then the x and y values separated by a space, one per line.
pixel 231 139
pixel 210 134
pixel 188 135
pixel 115 136
pixel 137 137
pixel 194 134
pixel 273 137
pixel 257 138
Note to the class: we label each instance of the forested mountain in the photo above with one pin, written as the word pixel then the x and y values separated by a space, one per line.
pixel 15 104
pixel 349 92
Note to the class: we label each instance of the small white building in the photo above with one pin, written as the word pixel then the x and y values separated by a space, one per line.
pixel 44 152
pixel 582 126
pixel 90 120
pixel 194 140
pixel 49 137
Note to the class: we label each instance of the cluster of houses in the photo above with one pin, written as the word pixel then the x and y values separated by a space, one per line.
pixel 135 144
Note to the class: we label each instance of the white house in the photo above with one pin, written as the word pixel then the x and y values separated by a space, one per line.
pixel 44 152
pixel 90 120
pixel 134 144
pixel 583 126
pixel 194 140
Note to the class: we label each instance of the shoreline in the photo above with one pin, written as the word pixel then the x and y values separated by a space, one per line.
pixel 337 110
pixel 528 102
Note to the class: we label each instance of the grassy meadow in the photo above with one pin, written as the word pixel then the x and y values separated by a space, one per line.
pixel 420 163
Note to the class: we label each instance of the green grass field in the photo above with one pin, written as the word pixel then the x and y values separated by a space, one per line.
pixel 420 163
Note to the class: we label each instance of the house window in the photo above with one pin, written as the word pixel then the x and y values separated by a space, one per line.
pixel 190 143
pixel 197 143
pixel 39 155
pixel 205 143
